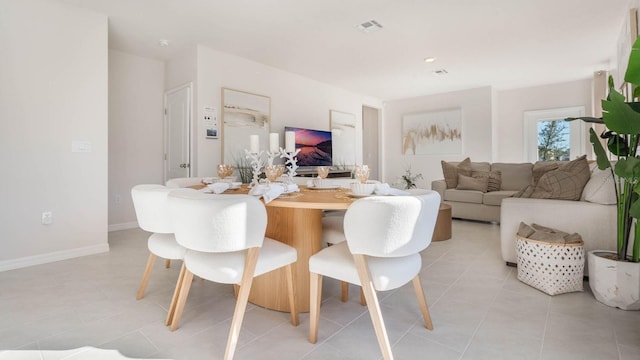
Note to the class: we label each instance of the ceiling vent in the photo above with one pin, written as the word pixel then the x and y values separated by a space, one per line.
pixel 440 72
pixel 369 26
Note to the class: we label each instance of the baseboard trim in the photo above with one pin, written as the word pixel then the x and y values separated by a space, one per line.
pixel 52 257
pixel 123 226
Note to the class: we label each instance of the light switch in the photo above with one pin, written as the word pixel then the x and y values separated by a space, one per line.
pixel 80 146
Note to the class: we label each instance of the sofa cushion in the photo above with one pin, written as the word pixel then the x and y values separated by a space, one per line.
pixel 465 196
pixel 480 166
pixel 565 183
pixel 495 197
pixel 493 178
pixel 600 188
pixel 451 171
pixel 542 167
pixel 472 183
pixel 514 176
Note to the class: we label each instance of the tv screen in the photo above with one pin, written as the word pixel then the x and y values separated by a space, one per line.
pixel 314 145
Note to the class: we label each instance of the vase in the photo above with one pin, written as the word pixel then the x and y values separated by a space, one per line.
pixel 614 283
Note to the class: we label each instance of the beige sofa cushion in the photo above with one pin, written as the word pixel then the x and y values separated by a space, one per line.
pixel 494 178
pixel 465 196
pixel 495 197
pixel 514 176
pixel 565 183
pixel 472 183
pixel 600 188
pixel 451 170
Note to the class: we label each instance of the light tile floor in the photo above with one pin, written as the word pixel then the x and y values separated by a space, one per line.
pixel 85 308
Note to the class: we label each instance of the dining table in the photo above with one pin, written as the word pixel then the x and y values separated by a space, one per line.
pixel 295 219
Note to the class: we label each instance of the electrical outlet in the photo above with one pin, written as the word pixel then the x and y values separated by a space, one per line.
pixel 47 218
pixel 118 199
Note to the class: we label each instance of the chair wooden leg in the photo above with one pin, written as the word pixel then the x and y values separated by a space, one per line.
pixel 145 277
pixel 314 306
pixel 182 299
pixel 176 294
pixel 373 305
pixel 236 289
pixel 167 263
pixel 422 301
pixel 345 292
pixel 292 297
pixel 241 303
pixel 363 300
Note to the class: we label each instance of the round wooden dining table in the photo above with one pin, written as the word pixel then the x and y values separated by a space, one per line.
pixel 294 219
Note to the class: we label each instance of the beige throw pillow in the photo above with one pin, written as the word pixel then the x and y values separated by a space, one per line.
pixel 471 183
pixel 565 183
pixel 540 169
pixel 494 178
pixel 600 189
pixel 451 172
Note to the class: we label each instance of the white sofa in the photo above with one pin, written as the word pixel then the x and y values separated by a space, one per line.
pixel 596 223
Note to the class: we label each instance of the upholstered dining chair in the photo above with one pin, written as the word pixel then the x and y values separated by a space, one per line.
pixel 225 238
pixel 150 204
pixel 384 238
pixel 184 182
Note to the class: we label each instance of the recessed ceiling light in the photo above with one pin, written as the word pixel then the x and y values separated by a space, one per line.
pixel 440 72
pixel 163 43
pixel 429 59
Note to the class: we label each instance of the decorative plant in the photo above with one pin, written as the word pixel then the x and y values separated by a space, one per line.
pixel 622 119
pixel 243 166
pixel 408 180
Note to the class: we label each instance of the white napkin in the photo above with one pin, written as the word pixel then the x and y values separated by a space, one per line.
pixel 385 189
pixel 218 187
pixel 272 191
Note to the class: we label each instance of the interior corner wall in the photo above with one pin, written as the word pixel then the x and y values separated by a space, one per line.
pixel 136 90
pixel 295 100
pixel 512 105
pixel 53 92
pixel 476 105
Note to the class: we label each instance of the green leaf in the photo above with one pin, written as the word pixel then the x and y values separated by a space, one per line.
pixel 601 155
pixel 613 93
pixel 628 169
pixel 620 117
pixel 587 119
pixel 633 68
pixel 634 210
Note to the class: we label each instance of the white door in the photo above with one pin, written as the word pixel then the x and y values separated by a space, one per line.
pixel 177 109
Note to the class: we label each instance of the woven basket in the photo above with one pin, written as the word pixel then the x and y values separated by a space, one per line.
pixel 553 268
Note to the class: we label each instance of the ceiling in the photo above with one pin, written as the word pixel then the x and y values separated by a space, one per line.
pixel 500 43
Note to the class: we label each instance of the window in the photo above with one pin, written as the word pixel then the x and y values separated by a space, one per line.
pixel 548 137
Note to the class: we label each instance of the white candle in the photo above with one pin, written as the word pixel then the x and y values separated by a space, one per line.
pixel 290 141
pixel 254 141
pixel 274 142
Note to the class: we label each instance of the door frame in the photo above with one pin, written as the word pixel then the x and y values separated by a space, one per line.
pixel 188 86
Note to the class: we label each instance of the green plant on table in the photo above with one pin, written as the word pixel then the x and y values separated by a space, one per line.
pixel 622 119
pixel 408 180
pixel 243 166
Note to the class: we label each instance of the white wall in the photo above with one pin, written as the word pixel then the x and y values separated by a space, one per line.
pixel 513 103
pixel 295 100
pixel 136 88
pixel 53 91
pixel 476 105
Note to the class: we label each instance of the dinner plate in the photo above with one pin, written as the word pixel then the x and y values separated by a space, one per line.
pixel 358 195
pixel 324 187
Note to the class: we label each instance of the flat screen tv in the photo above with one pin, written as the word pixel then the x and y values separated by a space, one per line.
pixel 314 145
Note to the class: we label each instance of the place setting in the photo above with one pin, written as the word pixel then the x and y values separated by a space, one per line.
pixel 320 182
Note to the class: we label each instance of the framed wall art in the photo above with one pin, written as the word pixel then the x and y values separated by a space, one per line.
pixel 243 114
pixel 430 133
pixel 343 133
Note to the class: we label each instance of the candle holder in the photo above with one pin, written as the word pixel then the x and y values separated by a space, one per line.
pixel 271 156
pixel 291 163
pixel 257 162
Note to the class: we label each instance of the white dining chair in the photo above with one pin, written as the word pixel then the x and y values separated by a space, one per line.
pixel 150 204
pixel 384 238
pixel 184 182
pixel 225 238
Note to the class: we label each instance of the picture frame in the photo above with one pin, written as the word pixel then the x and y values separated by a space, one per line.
pixel 343 133
pixel 243 114
pixel 431 133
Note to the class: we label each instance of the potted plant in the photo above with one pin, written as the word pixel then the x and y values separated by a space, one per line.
pixel 615 278
pixel 408 180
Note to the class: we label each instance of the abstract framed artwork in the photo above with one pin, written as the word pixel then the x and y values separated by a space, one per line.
pixel 430 133
pixel 343 133
pixel 243 114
